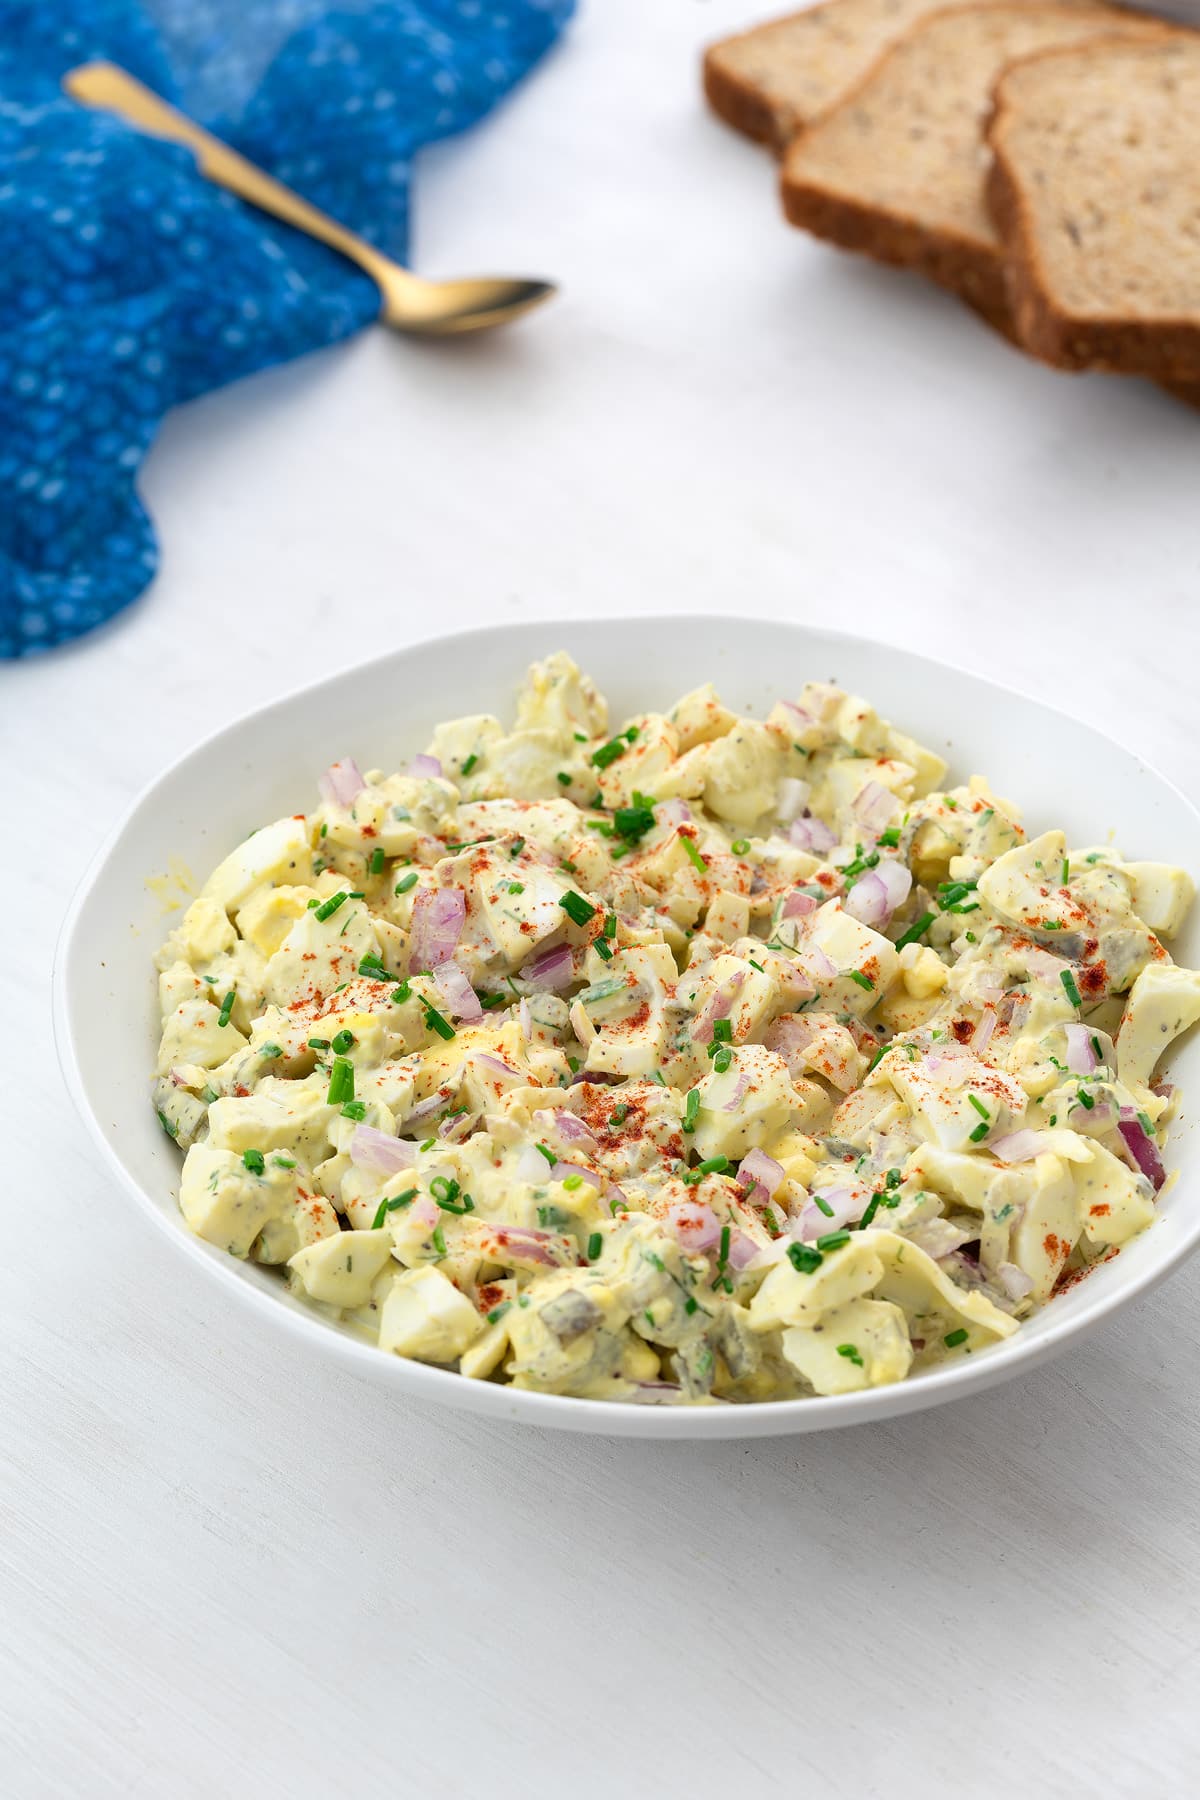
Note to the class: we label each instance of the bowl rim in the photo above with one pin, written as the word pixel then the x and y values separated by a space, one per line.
pixel 426 1382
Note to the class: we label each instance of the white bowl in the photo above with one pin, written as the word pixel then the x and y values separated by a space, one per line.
pixel 1060 771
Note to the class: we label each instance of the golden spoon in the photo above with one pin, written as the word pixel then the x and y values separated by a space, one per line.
pixel 431 308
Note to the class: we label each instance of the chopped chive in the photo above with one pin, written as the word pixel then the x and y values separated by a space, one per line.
pixel 878 1056
pixel 872 1209
pixel 608 753
pixel 916 930
pixel 227 1007
pixel 548 1154
pixel 610 925
pixel 429 1144
pixel 172 1131
pixel 343 1042
pixel 576 907
pixel 470 763
pixel 603 949
pixel 327 908
pixel 691 1107
pixel 822 1205
pixel 375 866
pixel 318 1044
pixel 1085 1099
pixel 1066 872
pixel 723 1058
pixel 563 779
pixel 341 1082
pixel 571 1182
pixel 498 1312
pixel 740 846
pixel 1068 981
pixel 516 847
pixel 890 839
pixel 715 1165
pixel 435 1021
pixel 864 981
pixel 980 1108
pixel 270 1052
pixel 401 993
pixel 804 1258
pixel 438 1240
pixel 1146 1123
pixel 408 881
pixel 980 1132
pixel 355 1109
pixel 516 887
pixel 594 1246
pixel 722 1031
pixel 692 852
pixel 953 1339
pixel 490 1002
pixel 618 1115
pixel 254 1161
pixel 833 1240
pixel 380 1215
pixel 850 1352
pixel 373 966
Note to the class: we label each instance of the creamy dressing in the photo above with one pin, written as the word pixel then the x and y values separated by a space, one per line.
pixel 702 1060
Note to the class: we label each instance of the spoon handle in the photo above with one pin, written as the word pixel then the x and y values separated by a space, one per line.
pixel 104 85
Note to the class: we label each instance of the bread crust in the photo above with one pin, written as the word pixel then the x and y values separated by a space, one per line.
pixel 1167 350
pixel 740 103
pixel 963 268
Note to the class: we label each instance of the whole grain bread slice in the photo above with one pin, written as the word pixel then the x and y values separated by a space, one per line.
pixel 898 169
pixel 774 80
pixel 1096 190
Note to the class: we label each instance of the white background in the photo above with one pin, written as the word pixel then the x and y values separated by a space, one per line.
pixel 230 1570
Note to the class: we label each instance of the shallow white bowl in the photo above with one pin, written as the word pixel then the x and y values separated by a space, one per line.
pixel 1061 772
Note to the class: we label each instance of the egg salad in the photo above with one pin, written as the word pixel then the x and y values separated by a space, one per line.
pixel 696 1061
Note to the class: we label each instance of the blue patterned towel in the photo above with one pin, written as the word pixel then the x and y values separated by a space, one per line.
pixel 128 283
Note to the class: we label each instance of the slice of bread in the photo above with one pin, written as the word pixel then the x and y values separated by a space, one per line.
pixel 898 169
pixel 1096 188
pixel 773 81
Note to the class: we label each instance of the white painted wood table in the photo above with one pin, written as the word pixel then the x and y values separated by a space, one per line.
pixel 228 1569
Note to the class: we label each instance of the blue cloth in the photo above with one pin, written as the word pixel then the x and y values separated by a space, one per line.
pixel 128 283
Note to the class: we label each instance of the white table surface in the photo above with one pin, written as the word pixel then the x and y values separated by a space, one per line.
pixel 227 1569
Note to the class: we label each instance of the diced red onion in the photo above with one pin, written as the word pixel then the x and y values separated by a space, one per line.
pixel 797 905
pixel 981 1037
pixel 1081 1058
pixel 742 1249
pixel 673 812
pixel 656 1393
pixel 897 880
pixel 424 1212
pixel 425 1109
pixel 801 718
pixel 342 782
pixel 523 1242
pixel 739 1089
pixel 757 1166
pixel 452 1131
pixel 816 964
pixel 792 798
pixel 848 1207
pixel 497 1069
pixel 695 1225
pixel 604 1077
pixel 873 806
pixel 1017 1147
pixel 425 768
pixel 789 1037
pixel 438 917
pixel 568 1127
pixel 1142 1147
pixel 867 900
pixel 1015 1282
pixel 811 834
pixel 616 1196
pixel 562 1170
pixel 717 1006
pixel 550 969
pixel 1163 1089
pixel 461 1000
pixel 379 1151
pixel 526 1020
